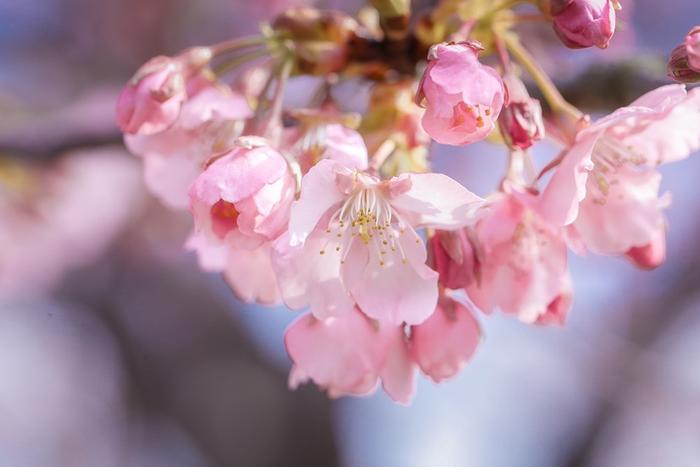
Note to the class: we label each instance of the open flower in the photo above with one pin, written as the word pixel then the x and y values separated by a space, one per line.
pixel 152 100
pixel 240 204
pixel 349 355
pixel 352 242
pixel 606 181
pixel 462 97
pixel 523 268
pixel 446 341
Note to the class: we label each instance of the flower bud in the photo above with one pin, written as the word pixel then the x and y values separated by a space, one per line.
pixel 583 23
pixel 521 122
pixel 463 98
pixel 455 258
pixel 684 64
pixel 320 38
pixel 152 99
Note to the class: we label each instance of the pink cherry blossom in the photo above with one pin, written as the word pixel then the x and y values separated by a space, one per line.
pixel 523 270
pixel 606 182
pixel 585 23
pixel 651 255
pixel 240 204
pixel 349 355
pixel 352 242
pixel 151 101
pixel 463 97
pixel 455 258
pixel 209 122
pixel 446 341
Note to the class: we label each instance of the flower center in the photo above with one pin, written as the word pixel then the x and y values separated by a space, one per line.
pixel 609 155
pixel 368 216
pixel 224 218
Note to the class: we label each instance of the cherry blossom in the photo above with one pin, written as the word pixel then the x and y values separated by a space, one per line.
pixel 352 242
pixel 462 97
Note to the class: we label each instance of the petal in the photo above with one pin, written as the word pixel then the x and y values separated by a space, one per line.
pixel 318 194
pixel 169 178
pixel 446 341
pixel 398 292
pixel 343 355
pixel 673 137
pixel 399 371
pixel 250 275
pixel 307 277
pixel 345 146
pixel 437 201
pixel 629 216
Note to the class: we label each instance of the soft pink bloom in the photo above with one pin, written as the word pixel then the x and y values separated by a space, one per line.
pixel 606 182
pixel 585 23
pixel 209 122
pixel 463 97
pixel 454 258
pixel 352 242
pixel 521 120
pixel 240 204
pixel 152 99
pixel 349 355
pixel 446 341
pixel 523 269
pixel 692 47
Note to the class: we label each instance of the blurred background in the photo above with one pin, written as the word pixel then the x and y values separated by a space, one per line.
pixel 115 350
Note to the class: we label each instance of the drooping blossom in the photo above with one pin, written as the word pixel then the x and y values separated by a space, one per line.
pixel 446 341
pixel 521 121
pixel 352 242
pixel 584 23
pixel 606 181
pixel 240 204
pixel 209 122
pixel 463 98
pixel 349 354
pixel 152 100
pixel 523 267
pixel 455 258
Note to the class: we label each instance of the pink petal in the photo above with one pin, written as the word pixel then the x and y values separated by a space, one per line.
pixel 437 201
pixel 398 292
pixel 399 371
pixel 446 341
pixel 319 193
pixel 250 275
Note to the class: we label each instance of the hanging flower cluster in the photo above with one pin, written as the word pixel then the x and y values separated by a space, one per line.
pixel 339 214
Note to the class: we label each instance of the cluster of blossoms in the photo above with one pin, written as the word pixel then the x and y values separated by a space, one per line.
pixel 338 214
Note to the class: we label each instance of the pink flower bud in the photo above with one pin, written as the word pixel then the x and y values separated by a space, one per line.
pixel 463 98
pixel 651 255
pixel 455 259
pixel 684 64
pixel 584 23
pixel 521 121
pixel 152 99
pixel 446 341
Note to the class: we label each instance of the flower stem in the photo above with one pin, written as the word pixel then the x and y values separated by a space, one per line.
pixel 237 44
pixel 235 62
pixel 551 94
